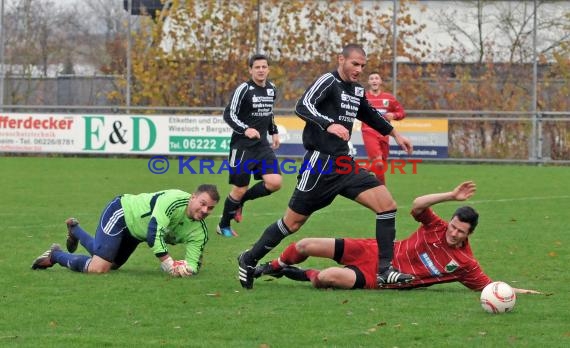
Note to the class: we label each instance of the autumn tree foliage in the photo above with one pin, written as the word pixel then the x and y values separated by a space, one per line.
pixel 196 54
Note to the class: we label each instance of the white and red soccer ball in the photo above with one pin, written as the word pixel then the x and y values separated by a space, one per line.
pixel 498 297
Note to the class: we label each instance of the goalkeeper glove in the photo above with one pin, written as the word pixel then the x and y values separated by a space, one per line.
pixel 180 269
pixel 167 265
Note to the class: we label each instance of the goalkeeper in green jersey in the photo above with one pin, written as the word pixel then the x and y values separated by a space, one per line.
pixel 157 219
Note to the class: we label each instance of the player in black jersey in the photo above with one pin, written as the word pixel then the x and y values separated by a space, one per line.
pixel 250 115
pixel 329 106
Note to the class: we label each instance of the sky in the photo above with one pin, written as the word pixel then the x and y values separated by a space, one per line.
pixel 434 34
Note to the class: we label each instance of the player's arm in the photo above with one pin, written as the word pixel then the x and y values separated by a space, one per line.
pixel 477 280
pixel 527 291
pixel 461 193
pixel 473 277
pixel 273 130
pixel 374 118
pixel 231 111
pixel 397 110
pixel 157 226
pixel 155 240
pixel 194 253
pixel 306 107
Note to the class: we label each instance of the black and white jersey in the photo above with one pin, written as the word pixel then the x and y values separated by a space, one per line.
pixel 330 100
pixel 251 106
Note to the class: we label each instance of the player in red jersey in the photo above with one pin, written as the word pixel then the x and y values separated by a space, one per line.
pixel 377 145
pixel 437 252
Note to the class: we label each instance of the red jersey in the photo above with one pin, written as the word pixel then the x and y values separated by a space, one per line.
pixel 384 102
pixel 425 255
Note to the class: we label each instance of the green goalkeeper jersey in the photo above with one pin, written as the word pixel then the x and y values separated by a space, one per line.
pixel 160 218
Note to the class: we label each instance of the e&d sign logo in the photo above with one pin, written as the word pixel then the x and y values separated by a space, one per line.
pixel 119 133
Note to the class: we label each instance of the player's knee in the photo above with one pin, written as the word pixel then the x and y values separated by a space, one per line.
pixel 274 183
pixel 386 201
pixel 238 192
pixel 99 266
pixel 293 227
pixel 390 205
pixel 98 269
pixel 329 278
pixel 321 281
pixel 303 246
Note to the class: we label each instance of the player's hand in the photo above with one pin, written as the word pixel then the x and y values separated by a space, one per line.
pixel 389 116
pixel 276 141
pixel 404 143
pixel 180 269
pixel 378 164
pixel 339 130
pixel 252 133
pixel 464 191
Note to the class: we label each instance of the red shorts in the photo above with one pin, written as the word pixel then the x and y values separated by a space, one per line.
pixel 376 144
pixel 362 254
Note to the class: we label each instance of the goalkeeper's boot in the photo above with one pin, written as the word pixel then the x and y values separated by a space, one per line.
pixel 44 260
pixel 392 276
pixel 246 270
pixel 226 231
pixel 71 242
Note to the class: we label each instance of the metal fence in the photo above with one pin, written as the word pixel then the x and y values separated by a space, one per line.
pixel 532 136
pixel 473 136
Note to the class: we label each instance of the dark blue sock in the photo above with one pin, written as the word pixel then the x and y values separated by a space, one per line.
pixel 77 263
pixel 84 238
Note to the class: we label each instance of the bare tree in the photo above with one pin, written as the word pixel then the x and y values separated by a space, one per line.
pixel 503 30
pixel 104 35
pixel 36 36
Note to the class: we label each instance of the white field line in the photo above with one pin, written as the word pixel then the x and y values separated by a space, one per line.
pixel 326 211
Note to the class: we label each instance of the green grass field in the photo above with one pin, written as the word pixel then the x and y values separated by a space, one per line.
pixel 522 239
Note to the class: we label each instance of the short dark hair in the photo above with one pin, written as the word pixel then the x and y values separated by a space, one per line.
pixel 348 49
pixel 257 56
pixel 210 189
pixel 468 215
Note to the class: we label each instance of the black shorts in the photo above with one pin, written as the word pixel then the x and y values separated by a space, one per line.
pixel 256 160
pixel 319 182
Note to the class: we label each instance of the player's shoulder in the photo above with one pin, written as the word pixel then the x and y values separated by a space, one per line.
pixel 244 86
pixel 175 194
pixel 387 95
pixel 330 76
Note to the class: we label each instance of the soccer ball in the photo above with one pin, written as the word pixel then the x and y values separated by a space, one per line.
pixel 498 297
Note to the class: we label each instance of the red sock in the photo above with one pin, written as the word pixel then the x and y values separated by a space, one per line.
pixel 313 275
pixel 275 264
pixel 291 256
